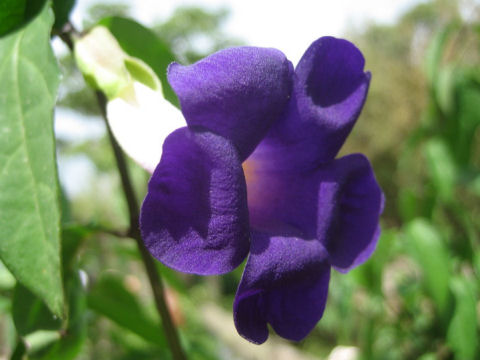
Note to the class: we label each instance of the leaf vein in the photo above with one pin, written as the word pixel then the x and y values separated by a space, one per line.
pixel 39 72
pixel 9 159
pixel 16 56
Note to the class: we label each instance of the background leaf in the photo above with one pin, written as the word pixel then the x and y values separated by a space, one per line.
pixel 434 55
pixel 73 339
pixel 74 332
pixel 110 298
pixel 431 254
pixel 29 208
pixel 462 333
pixel 15 13
pixel 11 14
pixel 468 120
pixel 150 49
pixel 442 168
pixel 19 351
pixel 445 88
pixel 62 10
pixel 30 313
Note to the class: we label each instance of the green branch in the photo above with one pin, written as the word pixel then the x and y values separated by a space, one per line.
pixel 134 231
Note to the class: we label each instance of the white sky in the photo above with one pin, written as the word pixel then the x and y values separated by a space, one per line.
pixel 289 26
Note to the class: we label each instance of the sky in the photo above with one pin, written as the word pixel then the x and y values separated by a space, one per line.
pixel 290 26
pixel 286 25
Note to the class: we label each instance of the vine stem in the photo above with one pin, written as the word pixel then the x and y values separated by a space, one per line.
pixel 134 232
pixel 156 284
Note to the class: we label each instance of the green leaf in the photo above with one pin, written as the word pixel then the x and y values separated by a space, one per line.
pixel 102 61
pixel 434 54
pixel 462 333
pixel 441 167
pixel 370 273
pixel 16 13
pixel 150 49
pixel 468 118
pixel 40 339
pixel 445 86
pixel 7 280
pixel 429 356
pixel 62 9
pixel 141 73
pixel 75 335
pixel 29 206
pixel 476 261
pixel 11 14
pixel 74 332
pixel 408 204
pixel 20 351
pixel 430 252
pixel 110 298
pixel 30 313
pixel 108 68
pixel 73 237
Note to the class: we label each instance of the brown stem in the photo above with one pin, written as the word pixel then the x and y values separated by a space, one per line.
pixel 67 33
pixel 134 232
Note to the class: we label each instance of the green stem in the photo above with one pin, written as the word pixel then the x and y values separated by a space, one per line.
pixel 134 232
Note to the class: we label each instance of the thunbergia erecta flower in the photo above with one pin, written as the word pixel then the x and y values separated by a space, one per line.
pixel 293 207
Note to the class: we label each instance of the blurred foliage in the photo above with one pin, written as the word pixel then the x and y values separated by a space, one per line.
pixel 191 33
pixel 194 33
pixel 98 11
pixel 424 99
pixel 397 97
pixel 62 9
pixel 30 215
pixel 152 50
pixel 419 295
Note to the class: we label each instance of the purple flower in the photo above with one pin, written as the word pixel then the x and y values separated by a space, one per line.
pixel 306 211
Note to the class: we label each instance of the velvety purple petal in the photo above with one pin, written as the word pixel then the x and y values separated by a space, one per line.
pixel 285 284
pixel 330 88
pixel 237 93
pixel 338 203
pixel 350 202
pixel 195 217
pixel 280 200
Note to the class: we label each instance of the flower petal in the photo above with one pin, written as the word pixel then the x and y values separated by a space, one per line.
pixel 194 217
pixel 141 126
pixel 350 202
pixel 285 284
pixel 330 88
pixel 338 203
pixel 280 201
pixel 237 93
